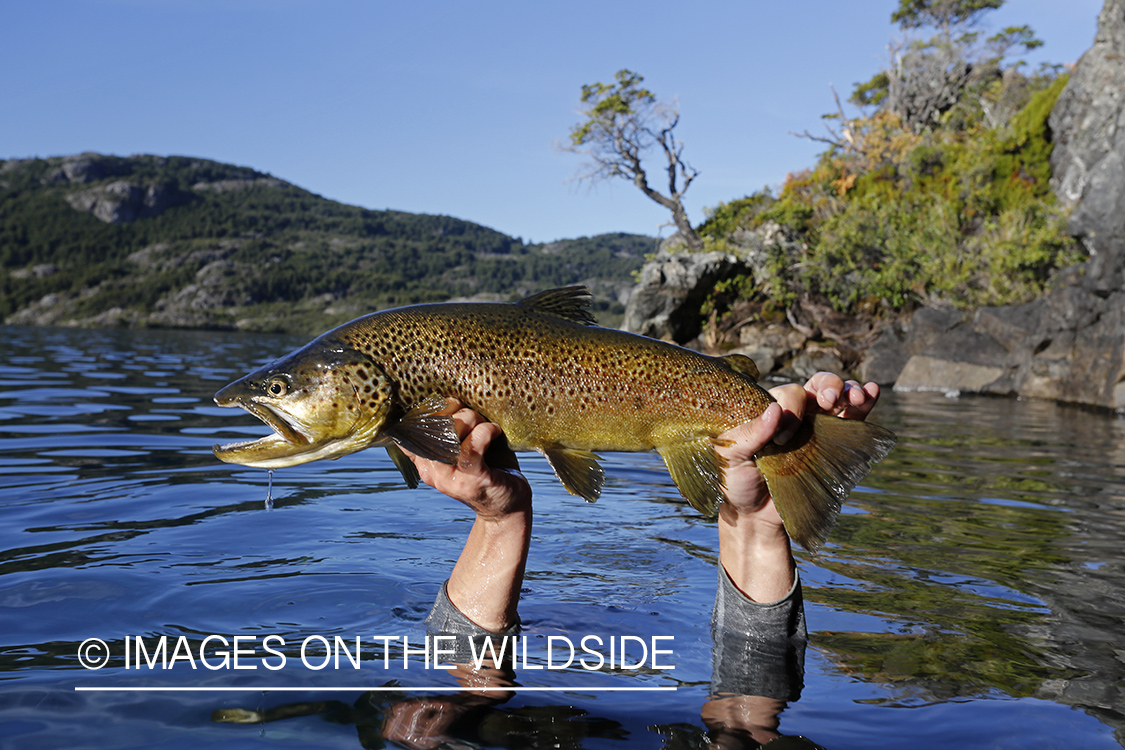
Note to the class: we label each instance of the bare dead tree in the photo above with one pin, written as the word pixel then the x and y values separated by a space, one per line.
pixel 928 77
pixel 843 139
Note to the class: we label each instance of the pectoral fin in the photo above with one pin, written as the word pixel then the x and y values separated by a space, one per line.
pixel 404 465
pixel 426 432
pixel 578 470
pixel 697 471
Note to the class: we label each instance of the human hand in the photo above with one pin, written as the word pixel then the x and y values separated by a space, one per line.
pixel 753 546
pixel 824 393
pixel 832 395
pixel 485 582
pixel 486 476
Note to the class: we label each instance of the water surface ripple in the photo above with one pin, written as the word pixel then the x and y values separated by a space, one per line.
pixel 977 577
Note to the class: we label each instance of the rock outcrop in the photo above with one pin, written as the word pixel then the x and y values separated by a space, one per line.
pixel 133 195
pixel 675 284
pixel 121 201
pixel 1070 344
pixel 673 287
pixel 1088 161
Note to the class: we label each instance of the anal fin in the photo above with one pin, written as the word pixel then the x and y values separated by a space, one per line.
pixel 427 432
pixel 697 471
pixel 578 470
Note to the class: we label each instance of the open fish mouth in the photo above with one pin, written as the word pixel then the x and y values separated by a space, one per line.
pixel 276 422
pixel 290 443
pixel 284 447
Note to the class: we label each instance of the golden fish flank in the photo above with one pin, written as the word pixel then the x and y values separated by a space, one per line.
pixel 555 383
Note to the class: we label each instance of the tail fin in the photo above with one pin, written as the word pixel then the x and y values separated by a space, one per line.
pixel 811 475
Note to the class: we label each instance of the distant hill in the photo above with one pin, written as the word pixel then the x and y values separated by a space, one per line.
pixel 185 242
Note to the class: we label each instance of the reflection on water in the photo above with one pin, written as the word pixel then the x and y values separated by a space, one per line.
pixel 976 578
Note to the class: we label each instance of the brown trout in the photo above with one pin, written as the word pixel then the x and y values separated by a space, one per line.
pixel 555 383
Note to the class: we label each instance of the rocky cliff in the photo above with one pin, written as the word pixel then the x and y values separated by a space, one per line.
pixel 1070 344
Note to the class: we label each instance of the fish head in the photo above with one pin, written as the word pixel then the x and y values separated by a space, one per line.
pixel 321 402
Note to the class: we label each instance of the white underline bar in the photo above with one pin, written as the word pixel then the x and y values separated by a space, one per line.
pixel 402 689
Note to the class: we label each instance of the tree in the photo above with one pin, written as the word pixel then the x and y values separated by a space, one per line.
pixel 928 77
pixel 941 14
pixel 622 123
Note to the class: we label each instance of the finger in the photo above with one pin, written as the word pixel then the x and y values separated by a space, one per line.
pixel 485 448
pixel 793 400
pixel 828 397
pixel 464 420
pixel 827 388
pixel 473 447
pixel 860 400
pixel 742 442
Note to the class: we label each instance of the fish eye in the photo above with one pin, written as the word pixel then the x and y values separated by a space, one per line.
pixel 277 388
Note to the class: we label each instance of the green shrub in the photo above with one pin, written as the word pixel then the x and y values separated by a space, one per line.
pixel 962 213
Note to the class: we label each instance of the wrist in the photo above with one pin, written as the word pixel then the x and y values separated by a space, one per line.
pixel 485 583
pixel 756 554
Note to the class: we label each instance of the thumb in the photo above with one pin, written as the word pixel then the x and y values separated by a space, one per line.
pixel 742 442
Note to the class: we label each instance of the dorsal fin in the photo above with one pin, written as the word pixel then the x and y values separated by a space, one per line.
pixel 571 303
pixel 743 365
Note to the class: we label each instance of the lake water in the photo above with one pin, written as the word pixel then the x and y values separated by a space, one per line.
pixel 972 595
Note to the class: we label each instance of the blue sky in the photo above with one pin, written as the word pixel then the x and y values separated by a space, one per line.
pixel 452 107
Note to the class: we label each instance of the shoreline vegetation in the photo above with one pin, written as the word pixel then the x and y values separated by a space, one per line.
pixel 936 194
pixel 959 216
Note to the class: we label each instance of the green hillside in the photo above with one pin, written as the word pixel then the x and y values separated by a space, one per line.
pixel 185 242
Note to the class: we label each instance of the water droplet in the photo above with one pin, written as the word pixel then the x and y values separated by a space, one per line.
pixel 269 491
